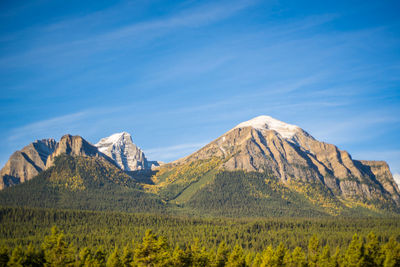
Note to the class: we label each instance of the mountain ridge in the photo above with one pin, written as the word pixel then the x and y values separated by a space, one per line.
pixel 274 165
pixel 296 158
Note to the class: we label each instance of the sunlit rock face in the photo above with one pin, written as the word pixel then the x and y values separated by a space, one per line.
pixel 290 153
pixel 123 151
pixel 26 163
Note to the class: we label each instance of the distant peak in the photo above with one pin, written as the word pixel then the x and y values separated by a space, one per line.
pixel 265 122
pixel 115 138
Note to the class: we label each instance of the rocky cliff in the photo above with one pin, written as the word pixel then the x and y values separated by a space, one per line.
pixel 27 162
pixel 124 152
pixel 286 151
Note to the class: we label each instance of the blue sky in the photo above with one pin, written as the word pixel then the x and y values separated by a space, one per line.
pixel 178 74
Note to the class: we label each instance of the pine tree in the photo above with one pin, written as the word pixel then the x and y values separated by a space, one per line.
pixel 236 258
pixel 99 257
pixel 337 258
pixel 85 257
pixel 313 251
pixel 33 258
pixel 257 261
pixel 249 259
pixel 199 256
pixel 3 255
pixel 57 252
pixel 279 255
pixel 354 256
pixel 267 257
pixel 222 255
pixel 114 259
pixel 152 251
pixel 180 258
pixel 325 259
pixel 127 255
pixel 17 257
pixel 392 253
pixel 297 258
pixel 373 256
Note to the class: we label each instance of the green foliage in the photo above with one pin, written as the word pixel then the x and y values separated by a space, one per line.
pixel 198 188
pixel 236 258
pixel 22 226
pixel 114 259
pixel 242 194
pixel 58 252
pixel 85 183
pixel 354 256
pixel 222 254
pixel 155 250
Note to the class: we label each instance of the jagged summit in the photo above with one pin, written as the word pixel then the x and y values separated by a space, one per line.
pixel 117 138
pixel 123 151
pixel 26 163
pixel 286 151
pixel 265 122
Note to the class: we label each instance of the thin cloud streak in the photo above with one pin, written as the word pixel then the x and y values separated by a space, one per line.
pixel 173 152
pixel 187 18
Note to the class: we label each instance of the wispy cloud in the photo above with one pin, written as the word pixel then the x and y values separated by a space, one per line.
pixel 169 153
pixel 351 129
pixel 44 127
pixel 146 30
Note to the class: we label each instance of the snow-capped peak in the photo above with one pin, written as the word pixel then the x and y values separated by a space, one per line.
pixel 113 139
pixel 268 123
pixel 123 151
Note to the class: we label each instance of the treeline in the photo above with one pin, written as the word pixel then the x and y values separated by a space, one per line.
pixel 22 226
pixel 155 250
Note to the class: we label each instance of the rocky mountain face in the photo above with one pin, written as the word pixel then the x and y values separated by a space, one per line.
pixel 261 167
pixel 40 155
pixel 74 146
pixel 265 144
pixel 26 163
pixel 124 152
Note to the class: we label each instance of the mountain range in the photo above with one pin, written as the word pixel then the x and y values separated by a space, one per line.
pixel 261 167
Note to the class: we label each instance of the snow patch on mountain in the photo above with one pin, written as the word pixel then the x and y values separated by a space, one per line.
pixel 396 178
pixel 123 151
pixel 268 123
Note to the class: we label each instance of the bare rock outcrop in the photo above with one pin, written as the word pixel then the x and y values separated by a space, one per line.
pixel 27 162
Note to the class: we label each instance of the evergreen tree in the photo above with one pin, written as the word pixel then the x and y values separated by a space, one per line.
pixel 222 254
pixel 99 258
pixel 180 258
pixel 325 258
pixel 153 251
pixel 236 258
pixel 337 258
pixel 373 256
pixel 17 257
pixel 279 255
pixel 84 258
pixel 3 256
pixel 257 261
pixel 57 252
pixel 199 256
pixel 249 259
pixel 392 253
pixel 354 256
pixel 313 251
pixel 33 258
pixel 114 259
pixel 297 258
pixel 127 255
pixel 267 257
